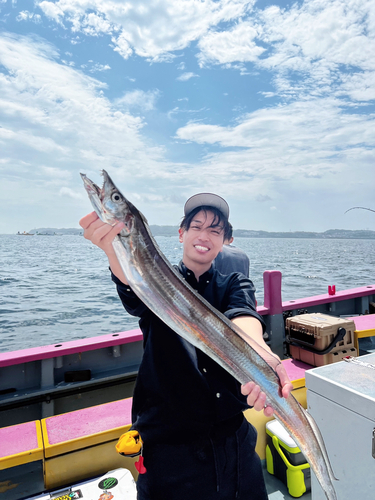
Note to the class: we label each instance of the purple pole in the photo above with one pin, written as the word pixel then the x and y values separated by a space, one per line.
pixel 272 292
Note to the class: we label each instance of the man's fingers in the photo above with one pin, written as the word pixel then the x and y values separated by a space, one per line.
pixel 286 389
pixel 257 399
pixel 104 233
pixel 88 219
pixel 268 411
pixel 260 401
pixel 98 232
pixel 247 388
pixel 285 384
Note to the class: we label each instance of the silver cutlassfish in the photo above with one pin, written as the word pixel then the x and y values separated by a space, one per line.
pixel 167 294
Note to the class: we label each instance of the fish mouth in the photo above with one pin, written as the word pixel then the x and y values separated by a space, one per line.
pixel 105 176
pixel 90 185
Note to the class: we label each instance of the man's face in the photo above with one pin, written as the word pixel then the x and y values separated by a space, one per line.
pixel 203 240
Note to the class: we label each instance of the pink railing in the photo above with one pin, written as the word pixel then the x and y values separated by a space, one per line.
pixel 273 305
pixel 72 347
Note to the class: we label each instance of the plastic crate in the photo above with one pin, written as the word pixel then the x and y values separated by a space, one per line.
pixel 319 339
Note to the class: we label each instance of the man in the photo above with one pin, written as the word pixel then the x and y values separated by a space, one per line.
pixel 187 409
pixel 232 259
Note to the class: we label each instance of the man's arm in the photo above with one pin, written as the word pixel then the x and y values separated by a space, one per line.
pixel 102 235
pixel 252 331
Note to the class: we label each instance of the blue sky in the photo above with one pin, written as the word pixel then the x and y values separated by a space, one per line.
pixel 270 105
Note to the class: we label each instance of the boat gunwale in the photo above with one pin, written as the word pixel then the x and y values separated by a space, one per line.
pixel 135 335
pixel 71 347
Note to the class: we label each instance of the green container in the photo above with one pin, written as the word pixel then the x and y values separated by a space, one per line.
pixel 285 460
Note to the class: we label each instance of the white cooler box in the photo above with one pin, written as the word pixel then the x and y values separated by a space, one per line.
pixel 341 399
pixel 115 485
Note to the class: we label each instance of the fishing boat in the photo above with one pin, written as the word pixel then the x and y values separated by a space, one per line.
pixel 63 407
pixel 25 233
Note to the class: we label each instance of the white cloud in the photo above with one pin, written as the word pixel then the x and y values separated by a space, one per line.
pixel 94 24
pixel 70 193
pixel 56 173
pixel 54 119
pixel 335 31
pixel 138 99
pixel 149 29
pixel 122 46
pixel 236 44
pixel 186 76
pixel 52 10
pixel 359 86
pixel 301 141
pixel 313 41
pixel 316 135
pixel 311 47
pixel 99 68
pixel 25 15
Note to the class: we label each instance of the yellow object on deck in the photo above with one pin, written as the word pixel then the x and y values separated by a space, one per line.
pixel 130 444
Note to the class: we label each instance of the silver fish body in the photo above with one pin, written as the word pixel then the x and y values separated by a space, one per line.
pixel 166 293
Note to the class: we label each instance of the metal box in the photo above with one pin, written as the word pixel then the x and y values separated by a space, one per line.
pixel 341 399
pixel 319 339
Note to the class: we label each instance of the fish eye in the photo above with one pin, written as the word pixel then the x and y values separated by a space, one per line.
pixel 116 197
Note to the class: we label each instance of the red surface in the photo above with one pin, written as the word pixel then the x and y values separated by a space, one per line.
pixel 295 369
pixel 81 423
pixel 366 322
pixel 17 439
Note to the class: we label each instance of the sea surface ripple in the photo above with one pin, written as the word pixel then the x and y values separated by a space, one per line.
pixel 58 288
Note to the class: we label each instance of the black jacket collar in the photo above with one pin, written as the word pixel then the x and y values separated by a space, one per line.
pixel 189 276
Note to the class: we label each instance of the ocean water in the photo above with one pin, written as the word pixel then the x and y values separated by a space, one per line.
pixel 58 288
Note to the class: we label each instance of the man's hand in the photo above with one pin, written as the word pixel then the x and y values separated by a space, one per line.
pixel 98 232
pixel 102 235
pixel 257 399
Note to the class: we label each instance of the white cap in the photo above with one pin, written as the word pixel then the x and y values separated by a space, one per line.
pixel 207 200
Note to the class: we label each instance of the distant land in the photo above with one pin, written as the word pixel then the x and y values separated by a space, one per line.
pixel 238 233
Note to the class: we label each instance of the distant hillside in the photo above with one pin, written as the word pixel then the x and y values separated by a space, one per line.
pixel 238 233
pixel 54 230
pixel 330 234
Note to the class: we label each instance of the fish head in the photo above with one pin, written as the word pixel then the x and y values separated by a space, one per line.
pixel 110 204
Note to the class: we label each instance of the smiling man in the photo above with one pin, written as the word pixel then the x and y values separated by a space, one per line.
pixel 202 231
pixel 188 409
